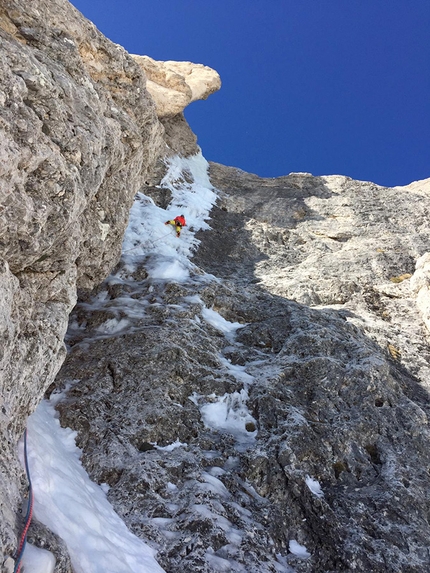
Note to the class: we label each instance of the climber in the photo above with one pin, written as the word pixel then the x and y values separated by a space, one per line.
pixel 178 222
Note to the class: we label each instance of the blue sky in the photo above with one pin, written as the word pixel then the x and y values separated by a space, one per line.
pixel 322 86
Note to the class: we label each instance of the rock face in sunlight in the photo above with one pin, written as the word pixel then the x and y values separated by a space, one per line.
pixel 174 85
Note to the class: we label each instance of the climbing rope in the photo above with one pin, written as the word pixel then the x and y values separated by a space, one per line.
pixel 23 540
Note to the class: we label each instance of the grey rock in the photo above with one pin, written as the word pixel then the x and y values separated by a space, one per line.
pixel 79 135
pixel 178 135
pixel 40 536
pixel 339 391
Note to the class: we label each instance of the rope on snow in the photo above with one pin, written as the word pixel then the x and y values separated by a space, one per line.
pixel 23 540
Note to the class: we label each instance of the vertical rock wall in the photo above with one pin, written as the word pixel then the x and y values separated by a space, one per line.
pixel 78 136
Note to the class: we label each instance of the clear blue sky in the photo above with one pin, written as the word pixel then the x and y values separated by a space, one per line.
pixel 323 86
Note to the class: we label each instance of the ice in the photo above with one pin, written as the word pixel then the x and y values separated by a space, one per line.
pixel 223 565
pixel 229 413
pixel 216 471
pixel 170 270
pixel 295 417
pixel 170 447
pixel 314 486
pixel 146 232
pixel 215 484
pixel 220 323
pixel 112 326
pixel 233 535
pixel 298 550
pixel 36 560
pixel 237 371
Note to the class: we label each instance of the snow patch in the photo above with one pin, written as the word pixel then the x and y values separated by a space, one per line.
pixel 229 413
pixel 298 550
pixel 37 560
pixel 75 508
pixel 314 486
pixel 220 323
pixel 170 447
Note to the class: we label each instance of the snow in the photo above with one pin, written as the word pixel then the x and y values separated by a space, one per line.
pixel 298 550
pixel 215 485
pixel 314 486
pixel 75 508
pixel 170 447
pixel 147 233
pixel 238 372
pixel 228 414
pixel 113 326
pixel 220 323
pixel 170 270
pixel 223 565
pixel 37 560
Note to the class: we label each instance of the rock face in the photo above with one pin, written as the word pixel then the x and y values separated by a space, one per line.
pixel 79 136
pixel 174 85
pixel 331 358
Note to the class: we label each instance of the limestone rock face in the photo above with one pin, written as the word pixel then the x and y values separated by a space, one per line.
pixel 78 137
pixel 174 85
pixel 332 357
pixel 332 241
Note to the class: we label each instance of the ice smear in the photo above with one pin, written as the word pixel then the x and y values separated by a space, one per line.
pixel 232 534
pixel 298 550
pixel 223 565
pixel 229 413
pixel 314 486
pixel 75 508
pixel 113 326
pixel 237 371
pixel 170 447
pixel 168 269
pixel 215 485
pixel 220 323
pixel 147 233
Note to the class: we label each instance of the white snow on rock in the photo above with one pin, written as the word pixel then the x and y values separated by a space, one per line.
pixel 228 413
pixel 314 486
pixel 74 507
pixel 220 323
pixel 298 550
pixel 37 560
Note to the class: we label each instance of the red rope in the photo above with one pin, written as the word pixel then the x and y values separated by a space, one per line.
pixel 20 551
